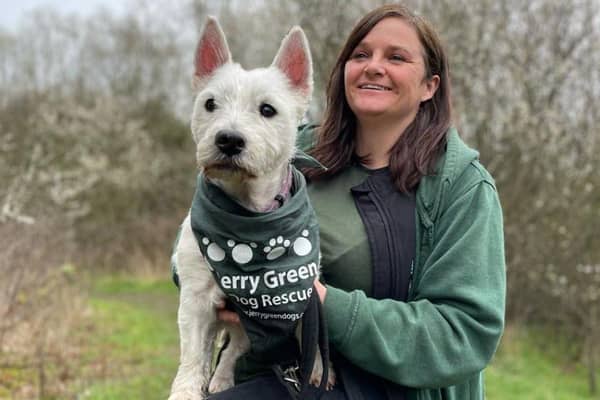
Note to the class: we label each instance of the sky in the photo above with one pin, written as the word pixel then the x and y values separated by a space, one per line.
pixel 11 11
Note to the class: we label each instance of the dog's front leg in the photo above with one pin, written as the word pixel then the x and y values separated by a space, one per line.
pixel 239 343
pixel 317 372
pixel 197 322
pixel 196 318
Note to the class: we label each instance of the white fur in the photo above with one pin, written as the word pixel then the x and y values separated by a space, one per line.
pixel 261 168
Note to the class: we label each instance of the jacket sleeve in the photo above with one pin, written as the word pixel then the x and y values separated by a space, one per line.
pixel 450 328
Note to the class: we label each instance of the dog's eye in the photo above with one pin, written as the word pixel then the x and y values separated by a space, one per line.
pixel 210 105
pixel 267 110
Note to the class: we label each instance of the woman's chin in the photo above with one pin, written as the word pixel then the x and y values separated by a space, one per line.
pixel 370 113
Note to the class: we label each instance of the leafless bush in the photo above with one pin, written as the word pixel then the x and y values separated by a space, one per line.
pixel 40 304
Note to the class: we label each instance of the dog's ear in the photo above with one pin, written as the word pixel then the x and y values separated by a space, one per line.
pixel 211 53
pixel 294 59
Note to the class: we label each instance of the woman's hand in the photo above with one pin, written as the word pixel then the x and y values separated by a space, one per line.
pixel 225 315
pixel 321 290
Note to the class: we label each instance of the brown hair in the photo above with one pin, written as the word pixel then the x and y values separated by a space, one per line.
pixel 416 151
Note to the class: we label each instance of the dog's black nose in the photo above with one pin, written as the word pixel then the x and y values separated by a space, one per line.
pixel 230 142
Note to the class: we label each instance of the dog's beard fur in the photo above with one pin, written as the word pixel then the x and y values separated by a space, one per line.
pixel 226 170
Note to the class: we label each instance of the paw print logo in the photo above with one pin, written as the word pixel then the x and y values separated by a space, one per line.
pixel 302 246
pixel 277 246
pixel 241 253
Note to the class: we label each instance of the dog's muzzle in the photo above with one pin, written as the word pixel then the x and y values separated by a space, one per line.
pixel 230 143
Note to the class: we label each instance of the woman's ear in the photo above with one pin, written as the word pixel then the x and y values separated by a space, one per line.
pixel 431 86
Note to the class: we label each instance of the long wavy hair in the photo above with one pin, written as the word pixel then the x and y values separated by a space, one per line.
pixel 416 151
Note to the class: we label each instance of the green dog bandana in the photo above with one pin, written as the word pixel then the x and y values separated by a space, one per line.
pixel 265 263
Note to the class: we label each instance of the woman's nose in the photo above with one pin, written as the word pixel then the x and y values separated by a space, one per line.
pixel 374 67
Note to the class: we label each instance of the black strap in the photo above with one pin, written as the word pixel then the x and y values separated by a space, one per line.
pixel 314 333
pixel 323 346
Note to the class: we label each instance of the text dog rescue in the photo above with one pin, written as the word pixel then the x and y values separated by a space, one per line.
pixel 271 279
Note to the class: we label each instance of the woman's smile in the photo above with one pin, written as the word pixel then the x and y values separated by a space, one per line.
pixel 375 87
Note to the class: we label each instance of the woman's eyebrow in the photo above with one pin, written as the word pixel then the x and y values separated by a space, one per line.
pixel 401 48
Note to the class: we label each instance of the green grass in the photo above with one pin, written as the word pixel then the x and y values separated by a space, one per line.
pixel 528 368
pixel 139 338
pixel 136 340
pixel 128 286
pixel 129 349
pixel 141 329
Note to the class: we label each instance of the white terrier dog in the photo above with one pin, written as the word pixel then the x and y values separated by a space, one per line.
pixel 244 125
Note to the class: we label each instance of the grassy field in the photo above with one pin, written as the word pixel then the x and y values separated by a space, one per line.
pixel 529 366
pixel 130 351
pixel 137 338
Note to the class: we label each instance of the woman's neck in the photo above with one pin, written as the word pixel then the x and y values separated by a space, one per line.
pixel 376 140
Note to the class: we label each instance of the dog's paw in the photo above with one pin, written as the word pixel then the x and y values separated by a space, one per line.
pixel 219 383
pixel 186 395
pixel 315 377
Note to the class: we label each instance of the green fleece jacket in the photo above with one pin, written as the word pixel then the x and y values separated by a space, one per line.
pixel 439 341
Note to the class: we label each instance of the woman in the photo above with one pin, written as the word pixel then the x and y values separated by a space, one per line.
pixel 411 225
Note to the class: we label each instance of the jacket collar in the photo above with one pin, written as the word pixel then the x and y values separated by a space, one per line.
pixel 433 188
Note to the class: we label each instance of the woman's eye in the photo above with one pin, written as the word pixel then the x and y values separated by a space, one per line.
pixel 267 110
pixel 397 57
pixel 210 105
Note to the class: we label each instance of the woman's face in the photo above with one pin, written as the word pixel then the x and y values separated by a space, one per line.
pixel 385 75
